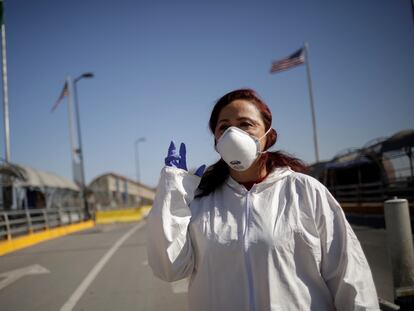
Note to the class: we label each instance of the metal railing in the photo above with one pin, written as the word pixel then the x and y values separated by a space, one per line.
pixel 373 192
pixel 21 222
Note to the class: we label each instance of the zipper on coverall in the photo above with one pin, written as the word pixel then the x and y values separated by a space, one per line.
pixel 250 284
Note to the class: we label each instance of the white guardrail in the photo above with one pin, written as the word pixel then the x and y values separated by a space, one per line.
pixel 21 222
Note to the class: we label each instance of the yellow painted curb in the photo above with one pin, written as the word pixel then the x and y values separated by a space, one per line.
pixel 37 237
pixel 121 215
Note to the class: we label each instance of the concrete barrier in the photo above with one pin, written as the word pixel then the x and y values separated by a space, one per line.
pixel 400 250
pixel 102 217
pixel 37 237
pixel 121 215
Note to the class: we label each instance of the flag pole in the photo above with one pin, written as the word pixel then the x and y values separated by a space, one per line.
pixel 5 84
pixel 412 2
pixel 315 135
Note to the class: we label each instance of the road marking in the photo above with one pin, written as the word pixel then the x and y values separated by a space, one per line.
pixel 73 300
pixel 14 275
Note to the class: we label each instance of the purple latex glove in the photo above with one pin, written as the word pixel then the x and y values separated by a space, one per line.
pixel 200 171
pixel 175 159
pixel 179 160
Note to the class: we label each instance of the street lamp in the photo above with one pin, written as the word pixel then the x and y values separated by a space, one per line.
pixel 137 141
pixel 84 75
pixel 79 150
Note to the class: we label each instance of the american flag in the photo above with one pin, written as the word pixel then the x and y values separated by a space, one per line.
pixel 62 95
pixel 297 58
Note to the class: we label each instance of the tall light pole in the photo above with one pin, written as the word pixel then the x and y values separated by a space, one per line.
pixel 137 141
pixel 5 85
pixel 79 151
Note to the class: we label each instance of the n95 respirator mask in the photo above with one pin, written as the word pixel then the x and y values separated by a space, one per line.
pixel 239 149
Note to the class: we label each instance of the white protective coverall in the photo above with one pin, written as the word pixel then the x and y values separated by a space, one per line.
pixel 283 245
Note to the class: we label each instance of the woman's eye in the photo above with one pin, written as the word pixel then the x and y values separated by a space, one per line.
pixel 245 124
pixel 223 127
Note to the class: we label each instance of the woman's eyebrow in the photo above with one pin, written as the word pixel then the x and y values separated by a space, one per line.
pixel 246 119
pixel 238 119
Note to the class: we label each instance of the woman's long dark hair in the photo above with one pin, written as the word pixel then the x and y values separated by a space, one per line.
pixel 217 173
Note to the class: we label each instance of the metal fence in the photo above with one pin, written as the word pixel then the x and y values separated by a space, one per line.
pixel 373 192
pixel 21 222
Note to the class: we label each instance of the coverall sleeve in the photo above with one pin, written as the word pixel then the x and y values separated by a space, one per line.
pixel 169 249
pixel 344 266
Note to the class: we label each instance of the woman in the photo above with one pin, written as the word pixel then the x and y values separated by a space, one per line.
pixel 254 233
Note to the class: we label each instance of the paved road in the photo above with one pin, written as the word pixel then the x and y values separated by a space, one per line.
pixel 105 268
pixel 373 242
pixel 90 270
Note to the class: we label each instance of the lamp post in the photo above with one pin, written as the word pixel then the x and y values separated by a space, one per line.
pixel 5 85
pixel 79 150
pixel 137 141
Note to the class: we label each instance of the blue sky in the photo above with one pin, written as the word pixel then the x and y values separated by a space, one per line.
pixel 160 66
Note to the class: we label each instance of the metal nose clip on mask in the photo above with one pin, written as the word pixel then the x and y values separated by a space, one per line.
pixel 239 149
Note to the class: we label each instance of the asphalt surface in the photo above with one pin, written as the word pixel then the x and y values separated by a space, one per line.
pixel 105 268
pixel 74 265
pixel 373 242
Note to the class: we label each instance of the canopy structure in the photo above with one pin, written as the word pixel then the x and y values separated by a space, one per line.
pixel 357 161
pixel 400 140
pixel 383 168
pixel 25 176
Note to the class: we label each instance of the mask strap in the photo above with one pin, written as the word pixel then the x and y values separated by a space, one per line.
pixel 265 133
pixel 264 151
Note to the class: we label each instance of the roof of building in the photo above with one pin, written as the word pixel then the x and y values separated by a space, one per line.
pixel 30 177
pixel 399 140
pixel 122 178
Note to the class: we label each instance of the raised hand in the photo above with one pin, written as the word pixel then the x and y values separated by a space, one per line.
pixel 178 159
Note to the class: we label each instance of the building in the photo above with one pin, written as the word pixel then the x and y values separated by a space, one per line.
pixel 115 191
